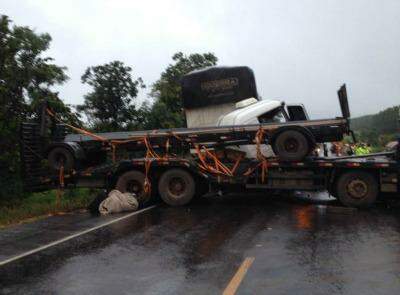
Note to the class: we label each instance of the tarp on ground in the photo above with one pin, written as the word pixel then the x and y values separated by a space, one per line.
pixel 117 202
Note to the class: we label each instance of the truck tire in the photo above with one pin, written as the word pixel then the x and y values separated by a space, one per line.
pixel 291 145
pixel 176 187
pixel 133 182
pixel 357 189
pixel 61 156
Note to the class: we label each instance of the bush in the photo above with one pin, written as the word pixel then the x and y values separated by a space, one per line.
pixel 44 203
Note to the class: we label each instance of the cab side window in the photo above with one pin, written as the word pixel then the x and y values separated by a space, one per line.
pixel 274 116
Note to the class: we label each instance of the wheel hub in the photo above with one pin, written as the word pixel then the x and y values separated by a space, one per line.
pixel 291 145
pixel 357 188
pixel 177 186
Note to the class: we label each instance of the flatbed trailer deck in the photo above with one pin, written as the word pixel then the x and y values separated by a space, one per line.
pixel 319 128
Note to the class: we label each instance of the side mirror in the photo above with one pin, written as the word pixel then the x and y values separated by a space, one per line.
pixel 344 103
pixel 297 112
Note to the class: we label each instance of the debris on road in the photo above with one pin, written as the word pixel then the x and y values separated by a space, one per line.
pixel 118 202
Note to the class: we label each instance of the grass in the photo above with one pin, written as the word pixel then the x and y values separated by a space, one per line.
pixel 43 204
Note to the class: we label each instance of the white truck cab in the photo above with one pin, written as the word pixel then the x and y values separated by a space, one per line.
pixel 227 96
pixel 264 111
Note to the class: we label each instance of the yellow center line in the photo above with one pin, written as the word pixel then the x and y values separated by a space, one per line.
pixel 238 277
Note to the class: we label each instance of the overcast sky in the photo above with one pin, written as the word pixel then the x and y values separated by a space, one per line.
pixel 300 50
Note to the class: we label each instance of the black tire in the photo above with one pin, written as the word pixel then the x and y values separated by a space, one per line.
pixel 133 182
pixel 60 156
pixel 357 189
pixel 291 145
pixel 176 187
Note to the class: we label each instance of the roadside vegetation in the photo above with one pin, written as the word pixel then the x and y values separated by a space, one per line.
pixel 377 129
pixel 36 205
pixel 27 78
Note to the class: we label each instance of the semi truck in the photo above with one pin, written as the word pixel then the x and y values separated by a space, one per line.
pixel 247 144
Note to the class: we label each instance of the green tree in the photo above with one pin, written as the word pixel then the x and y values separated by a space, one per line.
pixel 166 112
pixel 377 129
pixel 110 104
pixel 26 78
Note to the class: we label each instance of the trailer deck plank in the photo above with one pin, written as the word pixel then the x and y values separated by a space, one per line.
pixel 202 130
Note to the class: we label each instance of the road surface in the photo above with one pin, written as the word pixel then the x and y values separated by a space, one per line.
pixel 234 244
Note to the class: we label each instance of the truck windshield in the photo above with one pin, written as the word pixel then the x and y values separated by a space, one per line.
pixel 274 116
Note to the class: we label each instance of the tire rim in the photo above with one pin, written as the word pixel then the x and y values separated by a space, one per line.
pixel 357 189
pixel 177 186
pixel 291 145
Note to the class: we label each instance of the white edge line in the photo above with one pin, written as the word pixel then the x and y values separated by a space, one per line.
pixel 41 248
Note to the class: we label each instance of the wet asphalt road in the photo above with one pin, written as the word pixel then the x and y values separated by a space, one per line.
pixel 298 248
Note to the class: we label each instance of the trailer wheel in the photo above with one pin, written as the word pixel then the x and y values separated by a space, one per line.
pixel 176 187
pixel 133 182
pixel 291 145
pixel 357 189
pixel 60 156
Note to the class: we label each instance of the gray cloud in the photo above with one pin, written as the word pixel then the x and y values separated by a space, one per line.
pixel 301 51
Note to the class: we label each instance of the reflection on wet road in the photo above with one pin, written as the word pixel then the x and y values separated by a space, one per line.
pixel 298 248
